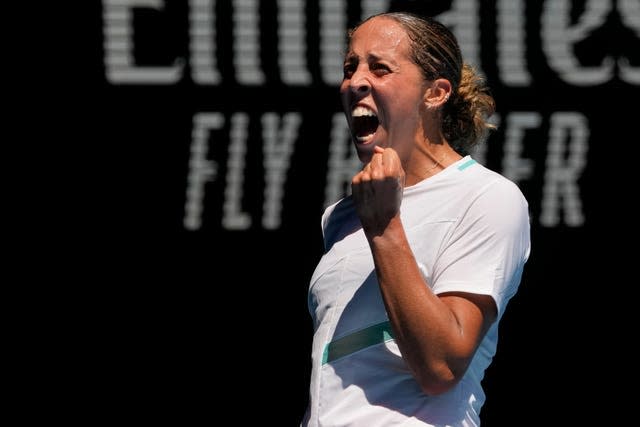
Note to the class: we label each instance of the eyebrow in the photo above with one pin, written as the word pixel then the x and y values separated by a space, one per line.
pixel 350 56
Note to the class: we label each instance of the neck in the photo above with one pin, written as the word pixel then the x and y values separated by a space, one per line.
pixel 430 160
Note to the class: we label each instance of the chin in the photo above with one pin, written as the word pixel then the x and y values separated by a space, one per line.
pixel 365 151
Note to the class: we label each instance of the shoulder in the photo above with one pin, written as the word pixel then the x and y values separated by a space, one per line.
pixel 495 199
pixel 336 211
pixel 486 183
pixel 339 219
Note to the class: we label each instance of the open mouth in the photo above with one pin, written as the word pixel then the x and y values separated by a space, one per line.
pixel 364 123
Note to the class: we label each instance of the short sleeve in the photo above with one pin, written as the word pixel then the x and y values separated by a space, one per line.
pixel 488 247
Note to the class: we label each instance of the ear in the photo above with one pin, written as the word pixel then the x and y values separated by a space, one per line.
pixel 438 93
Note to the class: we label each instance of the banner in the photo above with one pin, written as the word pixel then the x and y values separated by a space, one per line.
pixel 234 104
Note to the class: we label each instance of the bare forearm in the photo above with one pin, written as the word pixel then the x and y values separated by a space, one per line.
pixel 427 330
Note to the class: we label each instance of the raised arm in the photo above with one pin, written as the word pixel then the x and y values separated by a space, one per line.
pixel 437 334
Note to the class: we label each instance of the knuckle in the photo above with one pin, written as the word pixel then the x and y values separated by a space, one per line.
pixel 377 174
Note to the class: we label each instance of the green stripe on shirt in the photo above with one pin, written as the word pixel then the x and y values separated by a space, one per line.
pixel 466 164
pixel 351 343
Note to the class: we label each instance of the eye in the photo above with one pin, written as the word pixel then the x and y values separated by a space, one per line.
pixel 348 69
pixel 380 69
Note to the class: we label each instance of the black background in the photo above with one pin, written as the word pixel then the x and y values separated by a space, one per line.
pixel 205 322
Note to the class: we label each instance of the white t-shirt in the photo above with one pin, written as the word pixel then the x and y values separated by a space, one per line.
pixel 468 228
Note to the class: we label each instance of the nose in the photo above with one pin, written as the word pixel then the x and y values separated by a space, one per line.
pixel 362 88
pixel 359 82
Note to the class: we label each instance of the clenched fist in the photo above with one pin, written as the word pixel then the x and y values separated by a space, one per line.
pixel 377 190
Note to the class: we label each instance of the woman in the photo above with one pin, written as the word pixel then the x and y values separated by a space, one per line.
pixel 422 259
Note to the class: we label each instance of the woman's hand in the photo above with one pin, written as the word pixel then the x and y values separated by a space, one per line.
pixel 377 190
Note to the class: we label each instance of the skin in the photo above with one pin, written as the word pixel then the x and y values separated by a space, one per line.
pixel 437 334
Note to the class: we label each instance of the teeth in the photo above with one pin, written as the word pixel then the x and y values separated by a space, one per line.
pixel 362 112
